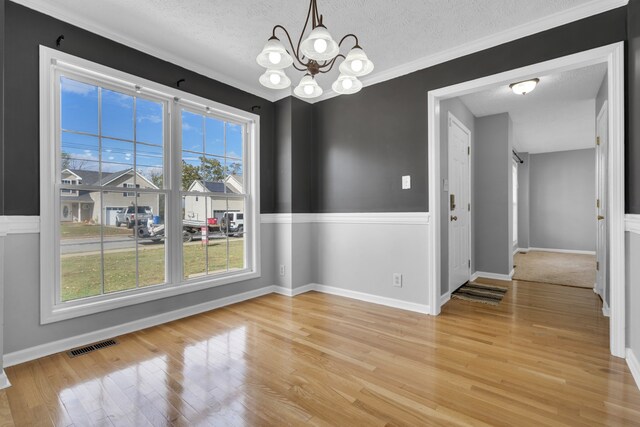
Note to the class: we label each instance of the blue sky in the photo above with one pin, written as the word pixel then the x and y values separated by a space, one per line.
pixel 202 134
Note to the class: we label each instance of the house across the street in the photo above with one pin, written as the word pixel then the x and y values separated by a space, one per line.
pixel 200 208
pixel 87 206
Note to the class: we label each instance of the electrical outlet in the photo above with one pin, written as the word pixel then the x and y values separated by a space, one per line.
pixel 406 182
pixel 282 270
pixel 397 280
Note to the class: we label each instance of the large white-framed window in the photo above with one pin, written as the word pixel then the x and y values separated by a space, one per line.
pixel 179 153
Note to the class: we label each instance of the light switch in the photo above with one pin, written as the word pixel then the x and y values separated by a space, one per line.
pixel 406 182
pixel 445 184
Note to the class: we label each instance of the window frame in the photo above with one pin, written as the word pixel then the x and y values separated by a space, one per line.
pixel 51 307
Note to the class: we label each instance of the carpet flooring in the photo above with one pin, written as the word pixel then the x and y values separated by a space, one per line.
pixel 556 268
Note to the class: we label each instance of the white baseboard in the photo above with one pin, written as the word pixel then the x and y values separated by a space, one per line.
pixel 634 366
pixel 375 299
pixel 493 276
pixel 445 298
pixel 4 381
pixel 281 290
pixel 606 312
pixel 523 250
pixel 563 251
pixel 47 349
pixel 511 274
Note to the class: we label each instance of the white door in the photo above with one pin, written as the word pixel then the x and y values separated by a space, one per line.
pixel 459 204
pixel 602 143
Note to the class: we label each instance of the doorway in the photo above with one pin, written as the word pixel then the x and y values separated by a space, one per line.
pixel 613 56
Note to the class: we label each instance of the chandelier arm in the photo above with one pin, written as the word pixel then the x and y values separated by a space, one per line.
pixel 347 36
pixel 297 68
pixel 331 63
pixel 306 22
pixel 295 53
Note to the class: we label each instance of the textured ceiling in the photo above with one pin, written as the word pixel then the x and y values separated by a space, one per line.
pixel 558 115
pixel 222 38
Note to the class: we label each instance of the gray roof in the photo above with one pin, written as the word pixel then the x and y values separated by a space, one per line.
pixel 214 187
pixel 93 177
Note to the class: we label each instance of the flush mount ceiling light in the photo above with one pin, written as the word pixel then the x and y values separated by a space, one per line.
pixel 313 55
pixel 523 88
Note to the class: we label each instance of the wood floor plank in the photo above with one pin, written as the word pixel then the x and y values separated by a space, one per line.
pixel 538 358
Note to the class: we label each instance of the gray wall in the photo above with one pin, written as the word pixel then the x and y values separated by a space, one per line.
pixel 493 211
pixel 633 292
pixel 523 201
pixel 367 141
pixel 462 113
pixel 563 199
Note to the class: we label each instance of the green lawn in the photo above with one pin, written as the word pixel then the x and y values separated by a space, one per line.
pixel 81 274
pixel 77 230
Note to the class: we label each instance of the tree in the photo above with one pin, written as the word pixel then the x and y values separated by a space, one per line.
pixel 69 162
pixel 211 170
pixel 156 178
pixel 234 169
pixel 190 173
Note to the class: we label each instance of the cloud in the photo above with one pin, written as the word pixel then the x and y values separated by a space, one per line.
pixel 153 118
pixel 77 88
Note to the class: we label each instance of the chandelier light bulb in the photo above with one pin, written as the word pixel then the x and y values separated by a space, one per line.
pixel 275 79
pixel 357 65
pixel 308 89
pixel 275 57
pixel 320 45
pixel 346 85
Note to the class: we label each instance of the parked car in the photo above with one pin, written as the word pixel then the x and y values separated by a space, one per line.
pixel 233 222
pixel 128 216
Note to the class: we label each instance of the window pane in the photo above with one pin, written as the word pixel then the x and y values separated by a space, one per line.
pixel 117 115
pixel 149 163
pixel 194 251
pixel 78 106
pixel 191 172
pixel 212 173
pixel 233 224
pixel 217 244
pixel 117 157
pixel 80 260
pixel 80 153
pixel 235 181
pixel 151 241
pixel 234 141
pixel 214 142
pixel 192 132
pixel 149 125
pixel 118 220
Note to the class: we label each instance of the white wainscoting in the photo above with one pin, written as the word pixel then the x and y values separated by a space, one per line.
pixel 634 365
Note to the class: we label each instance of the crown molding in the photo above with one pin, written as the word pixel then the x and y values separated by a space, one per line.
pixel 591 8
pixel 50 8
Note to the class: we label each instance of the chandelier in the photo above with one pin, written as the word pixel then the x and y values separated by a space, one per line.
pixel 317 54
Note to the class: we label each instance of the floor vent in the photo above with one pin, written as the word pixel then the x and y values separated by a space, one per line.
pixel 92 347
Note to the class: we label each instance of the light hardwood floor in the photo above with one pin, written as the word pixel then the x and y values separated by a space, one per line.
pixel 539 358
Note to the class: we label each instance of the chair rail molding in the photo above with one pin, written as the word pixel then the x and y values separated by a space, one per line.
pixel 10 224
pixel 391 218
pixel 632 223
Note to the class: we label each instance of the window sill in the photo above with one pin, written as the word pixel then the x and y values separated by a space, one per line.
pixel 75 309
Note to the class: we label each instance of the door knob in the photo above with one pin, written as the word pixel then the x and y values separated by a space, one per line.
pixel 454 218
pixel 600 217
